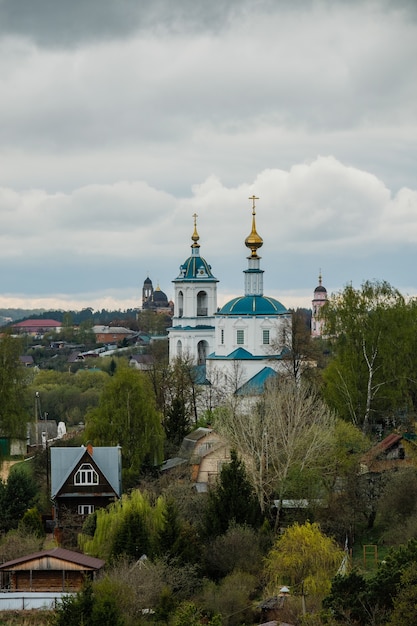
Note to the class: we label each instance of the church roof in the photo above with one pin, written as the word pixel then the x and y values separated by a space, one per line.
pixel 253 305
pixel 256 384
pixel 320 289
pixel 195 268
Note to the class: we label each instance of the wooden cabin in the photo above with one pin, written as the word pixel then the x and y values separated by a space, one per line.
pixel 49 570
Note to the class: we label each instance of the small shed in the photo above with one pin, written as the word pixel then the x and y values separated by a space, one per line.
pixel 49 570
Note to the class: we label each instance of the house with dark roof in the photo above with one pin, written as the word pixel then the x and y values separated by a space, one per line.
pixel 84 479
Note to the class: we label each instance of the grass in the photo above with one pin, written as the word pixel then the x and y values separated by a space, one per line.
pixel 26 618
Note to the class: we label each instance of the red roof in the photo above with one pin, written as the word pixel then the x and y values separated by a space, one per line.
pixel 38 324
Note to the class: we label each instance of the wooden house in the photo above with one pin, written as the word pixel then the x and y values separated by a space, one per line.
pixel 388 454
pixel 49 570
pixel 204 451
pixel 84 479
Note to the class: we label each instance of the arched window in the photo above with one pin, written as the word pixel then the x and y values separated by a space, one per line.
pixel 86 475
pixel 180 304
pixel 202 352
pixel 202 304
pixel 179 348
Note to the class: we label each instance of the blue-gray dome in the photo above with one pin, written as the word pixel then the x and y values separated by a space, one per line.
pixel 195 268
pixel 253 305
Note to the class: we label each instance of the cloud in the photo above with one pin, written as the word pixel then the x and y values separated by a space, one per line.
pixel 120 120
pixel 117 234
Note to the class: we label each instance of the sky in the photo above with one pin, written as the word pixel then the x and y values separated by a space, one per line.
pixel 120 120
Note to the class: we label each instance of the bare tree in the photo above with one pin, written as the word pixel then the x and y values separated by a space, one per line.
pixel 289 428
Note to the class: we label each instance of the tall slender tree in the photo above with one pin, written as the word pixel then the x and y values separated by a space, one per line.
pixel 12 388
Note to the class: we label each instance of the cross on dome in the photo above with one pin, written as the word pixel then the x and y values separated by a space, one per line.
pixel 253 241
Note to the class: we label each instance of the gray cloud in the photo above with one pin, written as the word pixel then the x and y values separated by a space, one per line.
pixel 118 120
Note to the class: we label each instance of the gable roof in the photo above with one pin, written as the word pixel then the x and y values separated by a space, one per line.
pixel 65 460
pixel 60 554
pixel 37 324
pixel 256 385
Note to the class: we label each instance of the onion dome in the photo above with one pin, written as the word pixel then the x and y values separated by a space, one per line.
pixel 253 241
pixel 159 297
pixel 195 267
pixel 320 288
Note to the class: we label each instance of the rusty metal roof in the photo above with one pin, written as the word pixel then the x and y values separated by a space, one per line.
pixel 88 562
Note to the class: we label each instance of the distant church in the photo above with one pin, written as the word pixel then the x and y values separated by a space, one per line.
pixel 243 343
pixel 319 300
pixel 154 299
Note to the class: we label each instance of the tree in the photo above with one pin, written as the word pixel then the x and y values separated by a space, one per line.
pixel 232 499
pixel 12 388
pixel 128 527
pixel 372 373
pixel 16 496
pixel 289 429
pixel 300 350
pixel 127 416
pixel 304 558
pixel 238 549
pixel 405 602
pixel 358 600
pixel 180 399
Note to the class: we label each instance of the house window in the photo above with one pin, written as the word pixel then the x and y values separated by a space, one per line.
pixel 85 509
pixel 240 337
pixel 222 336
pixel 265 337
pixel 86 475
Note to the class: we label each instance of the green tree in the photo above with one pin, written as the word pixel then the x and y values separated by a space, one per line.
pixel 405 603
pixel 304 558
pixel 232 499
pixel 16 496
pixel 372 373
pixel 127 416
pixel 31 523
pixel 133 519
pixel 373 600
pixel 12 388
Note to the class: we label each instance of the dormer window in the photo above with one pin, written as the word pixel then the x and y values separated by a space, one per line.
pixel 86 475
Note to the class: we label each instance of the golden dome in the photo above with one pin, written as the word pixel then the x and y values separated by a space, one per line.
pixel 253 241
pixel 195 236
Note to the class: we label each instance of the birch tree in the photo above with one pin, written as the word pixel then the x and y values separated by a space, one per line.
pixel 289 429
pixel 372 374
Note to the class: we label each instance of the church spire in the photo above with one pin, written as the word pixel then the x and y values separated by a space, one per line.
pixel 195 236
pixel 253 241
pixel 253 275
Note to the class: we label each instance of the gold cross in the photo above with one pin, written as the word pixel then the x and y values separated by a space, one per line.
pixel 195 219
pixel 253 198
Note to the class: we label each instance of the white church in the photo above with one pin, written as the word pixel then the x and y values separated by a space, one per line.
pixel 241 344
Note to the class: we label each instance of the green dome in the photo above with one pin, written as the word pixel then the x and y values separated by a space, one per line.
pixel 253 305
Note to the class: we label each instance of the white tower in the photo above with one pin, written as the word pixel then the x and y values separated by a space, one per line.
pixel 253 330
pixel 319 300
pixel 192 331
